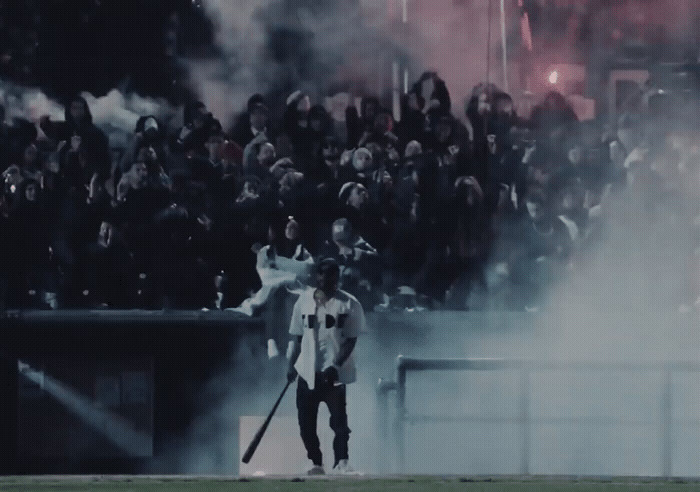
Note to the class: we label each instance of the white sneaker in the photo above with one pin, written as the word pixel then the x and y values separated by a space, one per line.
pixel 316 470
pixel 344 468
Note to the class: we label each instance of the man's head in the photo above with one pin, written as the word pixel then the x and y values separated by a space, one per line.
pixel 369 108
pixel 267 154
pixel 146 153
pixel 149 126
pixel 535 203
pixel 31 190
pixel 292 230
pixel 31 154
pixel 139 172
pixel 383 123
pixel 327 276
pixel 443 129
pixel 318 118
pixel 342 232
pixel 290 183
pixel 258 116
pixel 78 110
pixel 354 195
pixel 331 150
pixel 503 104
pixel 201 117
pixel 413 148
pixel 362 159
pixel 106 232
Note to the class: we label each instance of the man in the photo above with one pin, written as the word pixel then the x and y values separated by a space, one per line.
pixel 325 323
pixel 359 262
pixel 84 138
pixel 252 122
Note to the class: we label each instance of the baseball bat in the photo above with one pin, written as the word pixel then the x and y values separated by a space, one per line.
pixel 261 432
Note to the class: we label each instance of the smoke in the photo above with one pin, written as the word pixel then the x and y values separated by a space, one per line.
pixel 275 47
pixel 115 112
pixel 453 39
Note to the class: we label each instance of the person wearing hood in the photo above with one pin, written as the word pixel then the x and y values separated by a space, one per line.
pixel 358 260
pixel 358 124
pixel 199 125
pixel 469 245
pixel 81 135
pixel 149 132
pixel 30 247
pixel 283 264
pixel 553 112
pixel 104 276
pixel 413 120
pixel 255 120
pixel 434 94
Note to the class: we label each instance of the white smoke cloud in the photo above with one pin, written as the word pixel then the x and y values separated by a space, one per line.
pixel 115 112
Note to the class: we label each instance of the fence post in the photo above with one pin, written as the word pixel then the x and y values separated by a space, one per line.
pixel 524 419
pixel 400 414
pixel 666 424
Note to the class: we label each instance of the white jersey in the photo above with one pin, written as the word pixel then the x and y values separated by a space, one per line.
pixel 323 329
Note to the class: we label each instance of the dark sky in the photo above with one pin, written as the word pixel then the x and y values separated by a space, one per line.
pixel 95 45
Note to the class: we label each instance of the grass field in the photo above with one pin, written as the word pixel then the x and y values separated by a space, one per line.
pixel 343 484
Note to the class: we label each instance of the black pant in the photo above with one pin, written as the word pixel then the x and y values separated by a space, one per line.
pixel 307 406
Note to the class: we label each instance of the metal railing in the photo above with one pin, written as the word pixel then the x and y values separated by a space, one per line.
pixel 524 418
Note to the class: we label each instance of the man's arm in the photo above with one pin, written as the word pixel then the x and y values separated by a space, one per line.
pixel 296 350
pixel 346 349
pixel 296 329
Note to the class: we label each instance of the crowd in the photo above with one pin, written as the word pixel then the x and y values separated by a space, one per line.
pixel 483 211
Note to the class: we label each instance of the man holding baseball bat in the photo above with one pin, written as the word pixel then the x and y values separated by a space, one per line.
pixel 325 325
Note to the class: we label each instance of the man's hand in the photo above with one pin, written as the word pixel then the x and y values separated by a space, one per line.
pixel 291 374
pixel 330 375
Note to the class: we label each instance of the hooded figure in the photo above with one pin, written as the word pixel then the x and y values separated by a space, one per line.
pixel 254 120
pixel 81 135
pixel 358 124
pixel 433 91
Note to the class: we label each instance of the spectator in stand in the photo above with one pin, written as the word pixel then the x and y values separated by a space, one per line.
pixel 553 112
pixel 29 255
pixel 359 262
pixel 543 250
pixel 137 202
pixel 258 157
pixel 182 277
pixel 358 125
pixel 321 128
pixel 413 120
pixel 87 144
pixel 149 134
pixel 381 133
pixel 105 277
pixel 296 123
pixel 469 246
pixel 199 125
pixel 433 91
pixel 32 164
pixel 365 217
pixel 282 265
pixel 252 122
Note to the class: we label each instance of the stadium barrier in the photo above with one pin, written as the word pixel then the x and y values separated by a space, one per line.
pixel 140 370
pixel 525 368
